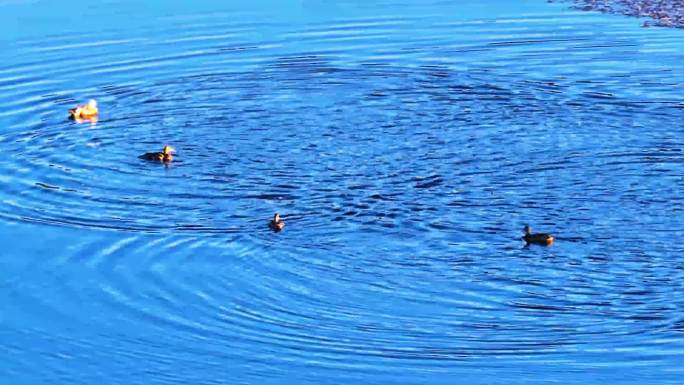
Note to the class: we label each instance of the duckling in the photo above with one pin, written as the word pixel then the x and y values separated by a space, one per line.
pixel 538 238
pixel 84 111
pixel 165 155
pixel 276 224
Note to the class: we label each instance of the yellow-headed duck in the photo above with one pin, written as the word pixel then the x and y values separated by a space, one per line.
pixel 84 111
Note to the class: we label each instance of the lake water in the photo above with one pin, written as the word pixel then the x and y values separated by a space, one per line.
pixel 405 144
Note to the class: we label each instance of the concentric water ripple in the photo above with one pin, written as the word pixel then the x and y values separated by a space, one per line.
pixel 296 146
pixel 405 151
pixel 427 308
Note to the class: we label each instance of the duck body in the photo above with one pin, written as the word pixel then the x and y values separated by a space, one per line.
pixel 165 155
pixel 85 111
pixel 160 156
pixel 537 238
pixel 276 224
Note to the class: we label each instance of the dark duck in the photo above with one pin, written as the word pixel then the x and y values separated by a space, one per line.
pixel 276 224
pixel 165 155
pixel 537 238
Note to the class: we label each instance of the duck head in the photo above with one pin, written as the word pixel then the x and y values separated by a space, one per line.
pixel 92 104
pixel 167 153
pixel 527 230
pixel 276 218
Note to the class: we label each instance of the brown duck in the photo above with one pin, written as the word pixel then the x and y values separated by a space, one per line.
pixel 165 155
pixel 276 224
pixel 537 238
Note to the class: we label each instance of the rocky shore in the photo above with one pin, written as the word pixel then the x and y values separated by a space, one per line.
pixel 663 13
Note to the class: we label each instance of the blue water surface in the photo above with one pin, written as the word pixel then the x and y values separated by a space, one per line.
pixel 405 144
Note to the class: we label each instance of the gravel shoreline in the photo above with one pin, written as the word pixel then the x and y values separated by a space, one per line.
pixel 664 13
